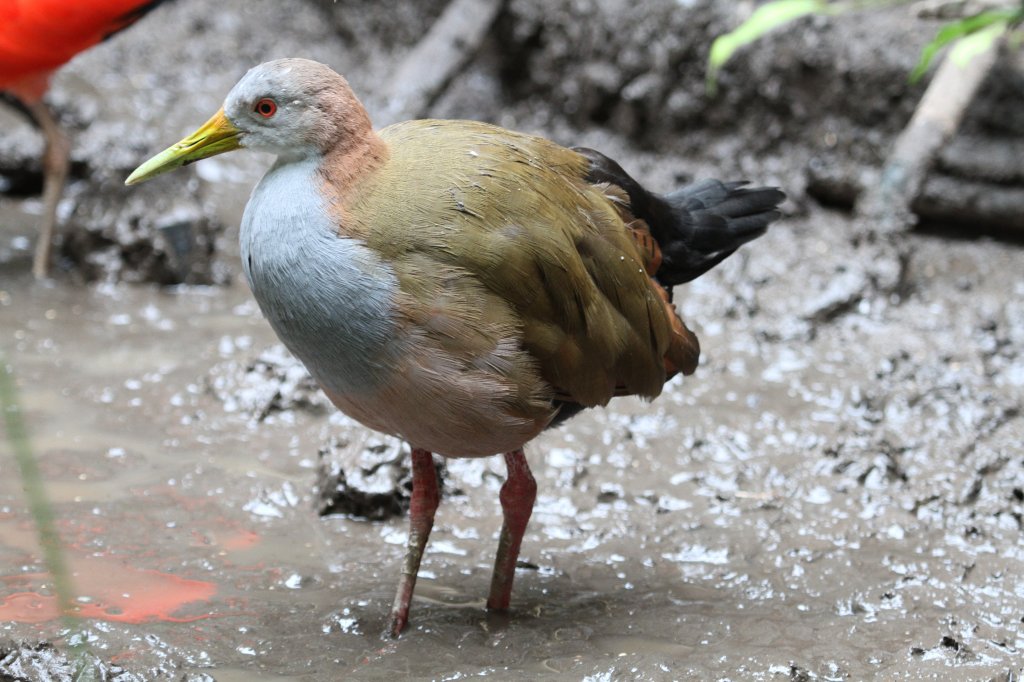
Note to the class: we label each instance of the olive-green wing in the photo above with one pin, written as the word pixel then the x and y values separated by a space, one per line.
pixel 513 215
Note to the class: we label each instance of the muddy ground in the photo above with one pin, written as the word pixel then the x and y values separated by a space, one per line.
pixel 836 494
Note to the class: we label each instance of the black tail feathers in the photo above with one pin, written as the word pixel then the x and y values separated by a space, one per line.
pixel 698 226
pixel 711 220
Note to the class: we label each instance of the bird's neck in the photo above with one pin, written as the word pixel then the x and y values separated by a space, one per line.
pixel 351 160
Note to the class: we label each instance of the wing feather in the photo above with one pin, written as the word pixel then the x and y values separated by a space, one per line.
pixel 558 261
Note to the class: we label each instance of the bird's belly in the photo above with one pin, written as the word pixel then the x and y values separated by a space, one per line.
pixel 439 427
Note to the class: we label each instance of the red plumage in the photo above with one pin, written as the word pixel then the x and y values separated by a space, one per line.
pixel 38 36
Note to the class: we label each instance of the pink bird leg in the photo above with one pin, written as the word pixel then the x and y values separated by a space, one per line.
pixel 517 497
pixel 425 498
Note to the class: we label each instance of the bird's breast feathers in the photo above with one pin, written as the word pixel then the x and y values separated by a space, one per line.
pixel 328 298
pixel 385 342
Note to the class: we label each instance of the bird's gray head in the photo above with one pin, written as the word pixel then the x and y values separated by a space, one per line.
pixel 294 108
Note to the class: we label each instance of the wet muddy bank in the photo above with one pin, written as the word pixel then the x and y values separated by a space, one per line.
pixel 863 478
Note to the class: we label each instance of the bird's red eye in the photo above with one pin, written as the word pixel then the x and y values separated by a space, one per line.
pixel 266 107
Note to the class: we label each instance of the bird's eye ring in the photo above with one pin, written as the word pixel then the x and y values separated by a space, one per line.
pixel 266 107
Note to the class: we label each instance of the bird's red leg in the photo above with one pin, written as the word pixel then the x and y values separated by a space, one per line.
pixel 517 497
pixel 56 163
pixel 425 497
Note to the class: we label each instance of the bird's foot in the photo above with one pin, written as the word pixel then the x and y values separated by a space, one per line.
pixel 398 622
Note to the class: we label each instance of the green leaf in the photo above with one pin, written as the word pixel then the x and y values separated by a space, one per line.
pixel 960 30
pixel 765 18
pixel 969 47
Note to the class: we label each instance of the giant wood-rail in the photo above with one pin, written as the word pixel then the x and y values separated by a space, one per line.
pixel 458 285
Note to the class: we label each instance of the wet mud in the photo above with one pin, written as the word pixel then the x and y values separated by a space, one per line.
pixel 836 494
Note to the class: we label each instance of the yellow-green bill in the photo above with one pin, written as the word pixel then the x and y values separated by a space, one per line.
pixel 216 136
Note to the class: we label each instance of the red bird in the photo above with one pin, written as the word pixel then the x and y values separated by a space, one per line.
pixel 36 38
